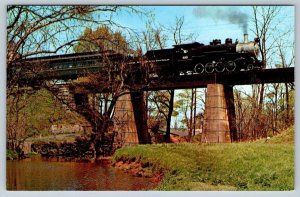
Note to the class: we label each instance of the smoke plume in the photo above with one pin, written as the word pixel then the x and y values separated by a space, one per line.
pixel 230 14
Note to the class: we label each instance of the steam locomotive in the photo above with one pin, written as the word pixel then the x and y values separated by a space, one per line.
pixel 215 57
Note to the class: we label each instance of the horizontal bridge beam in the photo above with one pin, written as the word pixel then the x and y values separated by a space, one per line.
pixel 279 75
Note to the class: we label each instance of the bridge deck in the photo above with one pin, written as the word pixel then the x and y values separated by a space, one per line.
pixel 279 75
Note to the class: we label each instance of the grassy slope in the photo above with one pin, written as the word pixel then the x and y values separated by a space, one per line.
pixel 243 166
pixel 39 109
pixel 286 137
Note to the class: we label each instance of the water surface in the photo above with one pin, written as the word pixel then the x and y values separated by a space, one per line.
pixel 36 174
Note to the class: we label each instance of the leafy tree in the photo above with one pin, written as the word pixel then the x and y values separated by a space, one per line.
pixel 102 39
pixel 32 114
pixel 186 104
pixel 116 77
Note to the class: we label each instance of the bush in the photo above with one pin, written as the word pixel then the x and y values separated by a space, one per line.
pixel 11 154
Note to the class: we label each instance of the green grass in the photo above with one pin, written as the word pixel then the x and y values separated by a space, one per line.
pixel 286 136
pixel 243 166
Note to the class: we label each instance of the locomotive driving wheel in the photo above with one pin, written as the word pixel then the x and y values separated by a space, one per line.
pixel 250 67
pixel 220 67
pixel 199 68
pixel 230 66
pixel 209 67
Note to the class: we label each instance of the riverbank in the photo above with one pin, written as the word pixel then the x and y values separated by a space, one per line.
pixel 136 167
pixel 266 164
pixel 243 166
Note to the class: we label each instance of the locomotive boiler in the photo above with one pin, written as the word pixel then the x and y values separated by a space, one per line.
pixel 199 58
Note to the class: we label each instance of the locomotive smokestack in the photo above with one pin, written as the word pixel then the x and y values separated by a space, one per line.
pixel 245 38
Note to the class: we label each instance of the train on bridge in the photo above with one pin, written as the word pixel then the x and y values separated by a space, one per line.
pixel 215 57
pixel 192 58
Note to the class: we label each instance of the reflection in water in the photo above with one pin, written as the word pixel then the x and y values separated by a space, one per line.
pixel 44 174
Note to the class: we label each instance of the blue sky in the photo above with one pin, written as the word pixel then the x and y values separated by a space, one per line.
pixel 207 26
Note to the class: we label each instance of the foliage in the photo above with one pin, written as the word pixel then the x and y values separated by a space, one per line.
pixel 80 148
pixel 159 105
pixel 183 104
pixel 33 114
pixel 42 110
pixel 263 114
pixel 214 167
pixel 184 101
pixel 31 29
pixel 11 154
pixel 278 113
pixel 117 77
pixel 40 30
pixel 101 39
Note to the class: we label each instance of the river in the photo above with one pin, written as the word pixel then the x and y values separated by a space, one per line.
pixel 42 174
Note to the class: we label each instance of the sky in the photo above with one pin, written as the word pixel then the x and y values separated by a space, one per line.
pixel 206 22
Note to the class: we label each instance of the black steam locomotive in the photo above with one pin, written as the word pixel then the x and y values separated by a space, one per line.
pixel 199 58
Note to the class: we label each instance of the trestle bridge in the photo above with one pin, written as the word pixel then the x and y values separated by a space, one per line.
pixel 219 114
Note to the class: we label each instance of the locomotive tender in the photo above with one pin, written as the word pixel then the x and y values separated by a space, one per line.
pixel 215 57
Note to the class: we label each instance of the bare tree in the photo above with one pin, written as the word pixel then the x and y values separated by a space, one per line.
pixel 34 31
pixel 283 49
pixel 158 39
pixel 266 23
pixel 264 104
pixel 39 30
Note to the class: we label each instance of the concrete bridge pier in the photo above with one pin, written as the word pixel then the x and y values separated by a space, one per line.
pixel 131 119
pixel 130 116
pixel 124 121
pixel 219 116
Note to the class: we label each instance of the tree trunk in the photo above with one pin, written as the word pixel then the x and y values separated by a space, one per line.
pixel 195 111
pixel 169 117
pixel 261 98
pixel 287 100
pixel 191 117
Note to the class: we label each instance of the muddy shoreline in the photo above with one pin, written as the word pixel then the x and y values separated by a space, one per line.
pixel 140 169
